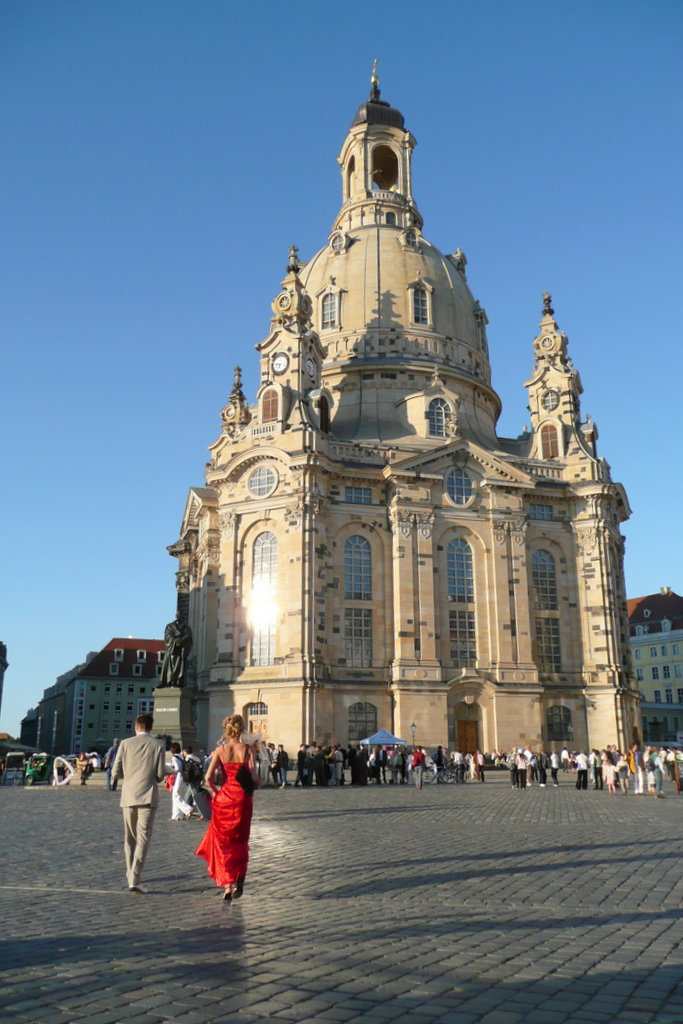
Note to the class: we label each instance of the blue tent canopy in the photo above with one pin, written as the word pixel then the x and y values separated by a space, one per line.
pixel 383 739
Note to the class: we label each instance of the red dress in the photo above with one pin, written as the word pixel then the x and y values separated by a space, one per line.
pixel 225 846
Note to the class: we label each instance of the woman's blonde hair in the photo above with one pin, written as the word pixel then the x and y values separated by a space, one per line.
pixel 233 727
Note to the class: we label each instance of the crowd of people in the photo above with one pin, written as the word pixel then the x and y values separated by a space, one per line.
pixel 636 770
pixel 219 787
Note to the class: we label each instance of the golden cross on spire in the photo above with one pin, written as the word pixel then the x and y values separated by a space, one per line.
pixel 373 78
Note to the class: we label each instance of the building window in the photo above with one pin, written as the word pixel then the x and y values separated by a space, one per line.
pixel 550 447
pixel 668 695
pixel 119 689
pixel 118 654
pixel 141 655
pixel 655 672
pixel 358 637
pixel 137 670
pixel 458 486
pixel 666 672
pixel 658 696
pixel 113 668
pixel 665 650
pixel 678 671
pixel 638 654
pixel 129 707
pixel 438 417
pixel 105 707
pixel 679 696
pixel 411 238
pixel 462 638
pixel 362 721
pixel 420 306
pixel 541 512
pixel 559 722
pixel 548 645
pixel 160 656
pixel 262 481
pixel 329 311
pixel 269 406
pixel 263 610
pixel 666 626
pixel 544 580
pixel 653 652
pixel 640 631
pixel 640 675
pixel 358 495
pixel 676 649
pixel 157 670
pixel 145 706
pixel 460 571
pixel 391 218
pixel 257 710
pixel 107 689
pixel 324 413
pixel 357 570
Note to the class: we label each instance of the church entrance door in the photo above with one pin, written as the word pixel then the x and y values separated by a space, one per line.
pixel 467 741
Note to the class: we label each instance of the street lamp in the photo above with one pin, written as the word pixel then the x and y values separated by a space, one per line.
pixel 413 727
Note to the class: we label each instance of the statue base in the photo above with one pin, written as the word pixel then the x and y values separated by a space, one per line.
pixel 173 715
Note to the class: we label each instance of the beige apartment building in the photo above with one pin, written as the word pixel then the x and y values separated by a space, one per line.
pixel 365 551
pixel 656 624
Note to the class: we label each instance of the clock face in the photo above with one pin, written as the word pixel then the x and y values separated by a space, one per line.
pixel 310 367
pixel 284 302
pixel 280 363
pixel 551 400
pixel 547 343
pixel 230 411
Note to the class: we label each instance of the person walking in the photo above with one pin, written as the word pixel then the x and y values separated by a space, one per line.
pixel 282 763
pixel 140 763
pixel 418 766
pixel 225 846
pixel 109 759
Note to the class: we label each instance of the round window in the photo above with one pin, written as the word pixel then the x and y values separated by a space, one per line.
pixel 458 486
pixel 262 481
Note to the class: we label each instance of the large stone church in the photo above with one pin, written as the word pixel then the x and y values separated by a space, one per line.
pixel 366 552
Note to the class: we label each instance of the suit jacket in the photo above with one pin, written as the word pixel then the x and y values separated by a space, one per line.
pixel 140 763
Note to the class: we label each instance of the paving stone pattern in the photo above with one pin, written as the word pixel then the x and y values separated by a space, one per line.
pixel 460 904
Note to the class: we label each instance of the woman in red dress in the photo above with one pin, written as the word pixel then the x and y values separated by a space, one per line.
pixel 225 846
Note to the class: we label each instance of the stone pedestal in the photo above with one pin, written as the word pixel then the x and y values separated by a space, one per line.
pixel 173 714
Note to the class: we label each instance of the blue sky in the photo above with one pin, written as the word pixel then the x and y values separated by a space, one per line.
pixel 161 157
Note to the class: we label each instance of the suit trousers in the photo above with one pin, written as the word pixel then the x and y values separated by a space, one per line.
pixel 137 825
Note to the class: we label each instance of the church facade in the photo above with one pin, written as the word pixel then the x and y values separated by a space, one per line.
pixel 366 552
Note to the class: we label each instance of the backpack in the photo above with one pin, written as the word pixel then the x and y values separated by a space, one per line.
pixel 650 765
pixel 191 771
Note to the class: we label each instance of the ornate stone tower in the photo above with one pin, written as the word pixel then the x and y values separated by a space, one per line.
pixel 367 552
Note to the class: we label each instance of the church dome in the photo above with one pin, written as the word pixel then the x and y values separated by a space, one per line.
pixel 386 303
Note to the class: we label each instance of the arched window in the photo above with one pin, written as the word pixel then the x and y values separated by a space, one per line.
pixel 391 218
pixel 559 722
pixel 350 176
pixel 329 311
pixel 461 621
pixel 550 447
pixel 263 609
pixel 411 238
pixel 324 412
pixel 460 575
pixel 269 406
pixel 544 580
pixel 384 168
pixel 362 721
pixel 420 306
pixel 257 710
pixel 357 570
pixel 438 415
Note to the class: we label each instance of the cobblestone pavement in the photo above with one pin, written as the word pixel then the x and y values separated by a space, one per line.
pixel 464 904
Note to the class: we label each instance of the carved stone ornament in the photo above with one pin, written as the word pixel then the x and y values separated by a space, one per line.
pixel 294 514
pixel 402 522
pixel 425 523
pixel 227 520
pixel 182 581
pixel 499 530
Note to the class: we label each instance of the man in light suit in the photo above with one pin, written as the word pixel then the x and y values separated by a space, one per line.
pixel 140 763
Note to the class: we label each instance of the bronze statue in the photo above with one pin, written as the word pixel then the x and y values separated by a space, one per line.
pixel 178 638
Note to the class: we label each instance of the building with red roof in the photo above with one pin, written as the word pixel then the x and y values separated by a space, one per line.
pixel 656 637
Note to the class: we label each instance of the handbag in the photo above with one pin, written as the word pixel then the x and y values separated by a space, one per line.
pixel 245 779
